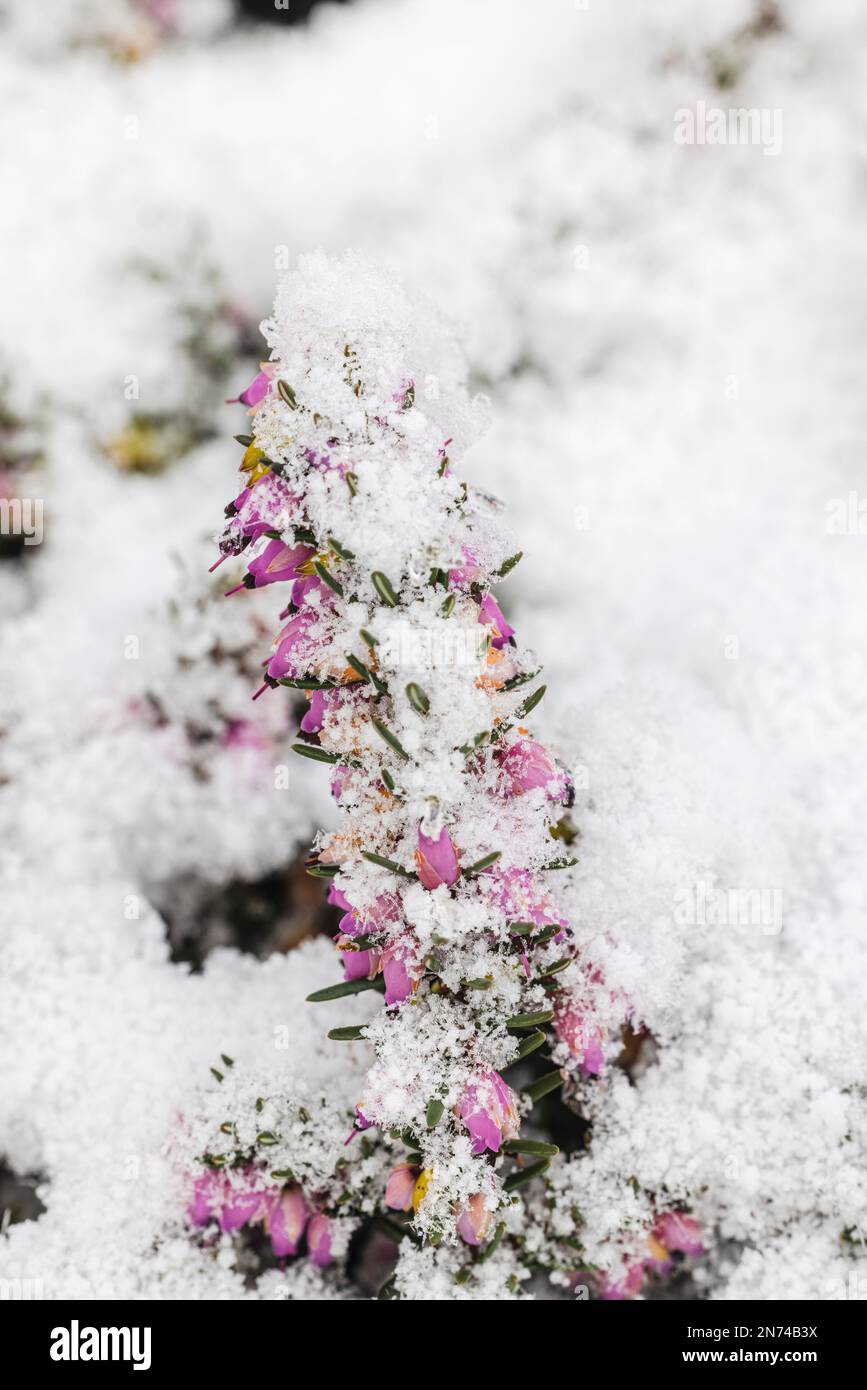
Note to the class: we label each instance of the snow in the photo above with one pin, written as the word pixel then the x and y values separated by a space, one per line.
pixel 666 338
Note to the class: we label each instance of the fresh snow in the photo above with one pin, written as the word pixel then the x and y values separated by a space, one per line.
pixel 666 341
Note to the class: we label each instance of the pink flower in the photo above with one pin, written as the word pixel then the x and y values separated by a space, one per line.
pixel 287 1219
pixel 208 1194
pixel 437 860
pixel 517 894
pixel 277 562
pixel 627 1286
pixel 361 1120
pixel 325 702
pixel 337 897
pixel 264 505
pixel 358 965
pixel 584 1040
pixel 489 1112
pixel 360 1123
pixel 315 715
pixel 475 1220
pixel 384 910
pixel 400 1187
pixel 307 584
pixel 350 924
pixel 261 507
pixel 401 971
pixel 295 647
pixel 247 518
pixel 468 572
pixel 678 1232
pixel 525 765
pixel 491 616
pixel 258 389
pixel 339 780
pixel 242 1205
pixel 319 1234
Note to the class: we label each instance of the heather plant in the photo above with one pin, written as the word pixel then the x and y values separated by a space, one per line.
pixel 453 817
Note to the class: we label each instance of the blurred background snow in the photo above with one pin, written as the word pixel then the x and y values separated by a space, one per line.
pixel 671 337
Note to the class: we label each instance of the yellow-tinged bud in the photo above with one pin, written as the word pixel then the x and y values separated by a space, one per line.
pixel 656 1248
pixel 252 455
pixel 252 463
pixel 422 1184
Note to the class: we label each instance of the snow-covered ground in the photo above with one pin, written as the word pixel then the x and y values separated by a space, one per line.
pixel 669 335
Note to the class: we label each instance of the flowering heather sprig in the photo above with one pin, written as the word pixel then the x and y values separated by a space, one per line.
pixel 279 1164
pixel 588 1228
pixel 282 1210
pixel 673 1234
pixel 453 814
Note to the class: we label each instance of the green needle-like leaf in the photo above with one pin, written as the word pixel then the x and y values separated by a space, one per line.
pixel 383 587
pixel 358 666
pixel 515 681
pixel 556 968
pixel 448 605
pixel 544 1085
pixel 530 703
pixel 340 550
pixel 328 578
pixel 319 755
pixel 434 1113
pixel 509 565
pixel 545 934
pixel 492 1244
pixel 361 670
pixel 524 1175
pixel 482 864
pixel 323 996
pixel 306 683
pixel 535 1020
pixel 529 1044
pixel 417 698
pixel 386 864
pixel 530 1146
pixel 388 736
